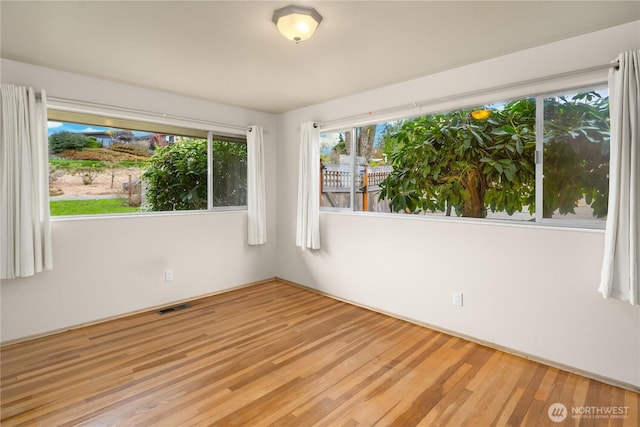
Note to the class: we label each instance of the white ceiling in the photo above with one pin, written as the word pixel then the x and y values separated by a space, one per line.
pixel 230 51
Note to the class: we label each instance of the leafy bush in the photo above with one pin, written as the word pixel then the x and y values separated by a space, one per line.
pixel 576 154
pixel 62 141
pixel 92 142
pixel 177 177
pixel 230 173
pixel 451 160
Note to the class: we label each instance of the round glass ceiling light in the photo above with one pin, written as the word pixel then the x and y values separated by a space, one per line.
pixel 296 23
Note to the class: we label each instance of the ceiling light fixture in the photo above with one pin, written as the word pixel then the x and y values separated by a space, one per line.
pixel 297 23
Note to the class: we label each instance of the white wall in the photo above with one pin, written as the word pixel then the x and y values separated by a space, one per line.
pixel 109 266
pixel 527 288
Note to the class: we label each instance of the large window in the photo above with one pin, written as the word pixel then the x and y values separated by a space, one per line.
pixel 575 161
pixel 108 166
pixel 353 180
pixel 496 161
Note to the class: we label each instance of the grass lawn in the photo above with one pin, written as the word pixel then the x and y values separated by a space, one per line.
pixel 90 207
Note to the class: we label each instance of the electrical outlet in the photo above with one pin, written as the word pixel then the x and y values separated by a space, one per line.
pixel 457 298
pixel 168 275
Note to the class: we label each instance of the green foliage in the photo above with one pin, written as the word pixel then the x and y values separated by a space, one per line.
pixel 340 147
pixel 177 175
pixel 229 174
pixel 576 154
pixel 451 160
pixel 72 165
pixel 61 141
pixel 89 207
pixel 92 142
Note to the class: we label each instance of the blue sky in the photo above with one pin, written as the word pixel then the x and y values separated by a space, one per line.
pixel 329 139
pixel 55 127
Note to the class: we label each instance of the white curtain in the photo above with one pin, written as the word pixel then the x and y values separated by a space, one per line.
pixel 25 247
pixel 308 218
pixel 257 217
pixel 619 277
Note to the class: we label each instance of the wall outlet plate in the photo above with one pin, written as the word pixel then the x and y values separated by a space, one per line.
pixel 168 275
pixel 457 298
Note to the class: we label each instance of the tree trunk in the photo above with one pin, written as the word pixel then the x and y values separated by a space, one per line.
pixel 347 142
pixel 365 141
pixel 476 186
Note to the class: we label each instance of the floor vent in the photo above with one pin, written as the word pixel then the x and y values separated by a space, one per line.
pixel 174 308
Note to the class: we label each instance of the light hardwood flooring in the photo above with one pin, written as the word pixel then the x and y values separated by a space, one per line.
pixel 276 354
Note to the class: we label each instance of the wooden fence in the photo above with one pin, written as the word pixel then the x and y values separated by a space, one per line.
pixel 335 186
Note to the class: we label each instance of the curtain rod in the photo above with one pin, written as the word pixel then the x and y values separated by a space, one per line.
pixel 399 108
pixel 52 99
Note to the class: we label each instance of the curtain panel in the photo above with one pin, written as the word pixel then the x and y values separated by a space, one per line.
pixel 619 278
pixel 257 215
pixel 25 244
pixel 308 214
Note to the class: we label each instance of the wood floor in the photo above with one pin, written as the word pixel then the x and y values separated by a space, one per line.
pixel 276 354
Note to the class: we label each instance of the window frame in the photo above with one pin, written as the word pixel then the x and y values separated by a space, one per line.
pixel 105 117
pixel 539 160
pixel 489 98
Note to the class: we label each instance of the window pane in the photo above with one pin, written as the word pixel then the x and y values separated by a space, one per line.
pixel 336 169
pixel 576 156
pixel 472 162
pixel 97 170
pixel 229 173
pixel 103 170
pixel 175 179
pixel 478 162
pixel 372 168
